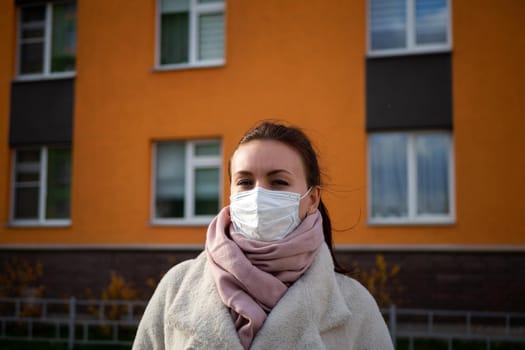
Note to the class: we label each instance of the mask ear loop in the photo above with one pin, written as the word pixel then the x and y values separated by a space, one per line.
pixel 306 193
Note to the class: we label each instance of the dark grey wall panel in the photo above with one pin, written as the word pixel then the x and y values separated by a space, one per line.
pixel 409 92
pixel 41 112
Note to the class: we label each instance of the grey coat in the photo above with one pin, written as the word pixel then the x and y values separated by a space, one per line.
pixel 321 310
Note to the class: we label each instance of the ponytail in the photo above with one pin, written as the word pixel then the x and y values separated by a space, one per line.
pixel 327 232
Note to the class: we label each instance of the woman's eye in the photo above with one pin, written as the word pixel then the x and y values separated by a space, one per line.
pixel 280 183
pixel 244 183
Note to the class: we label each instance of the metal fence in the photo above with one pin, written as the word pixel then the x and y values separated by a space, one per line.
pixel 450 326
pixel 105 322
pixel 70 321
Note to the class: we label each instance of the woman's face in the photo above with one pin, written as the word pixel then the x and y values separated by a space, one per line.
pixel 275 166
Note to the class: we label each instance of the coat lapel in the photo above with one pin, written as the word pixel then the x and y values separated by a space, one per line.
pixel 310 307
pixel 199 312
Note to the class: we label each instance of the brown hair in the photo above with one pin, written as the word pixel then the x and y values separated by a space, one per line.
pixel 297 139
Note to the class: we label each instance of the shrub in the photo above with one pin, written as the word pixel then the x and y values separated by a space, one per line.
pixel 21 279
pixel 381 281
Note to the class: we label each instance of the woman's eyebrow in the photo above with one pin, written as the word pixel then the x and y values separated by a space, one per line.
pixel 277 171
pixel 270 173
pixel 242 173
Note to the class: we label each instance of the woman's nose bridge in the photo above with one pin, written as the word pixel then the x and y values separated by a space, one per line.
pixel 261 182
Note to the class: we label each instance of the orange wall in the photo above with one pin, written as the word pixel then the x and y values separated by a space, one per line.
pixel 284 59
pixel 489 101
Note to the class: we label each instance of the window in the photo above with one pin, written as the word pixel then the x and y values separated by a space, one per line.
pixel 410 177
pixel 187 181
pixel 408 26
pixel 41 186
pixel 191 33
pixel 47 39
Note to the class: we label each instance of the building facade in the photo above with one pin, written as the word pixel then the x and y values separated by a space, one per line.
pixel 118 118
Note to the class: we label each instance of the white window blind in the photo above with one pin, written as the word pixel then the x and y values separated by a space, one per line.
pixel 431 22
pixel 211 34
pixel 388 24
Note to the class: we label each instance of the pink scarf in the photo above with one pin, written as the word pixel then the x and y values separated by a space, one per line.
pixel 251 276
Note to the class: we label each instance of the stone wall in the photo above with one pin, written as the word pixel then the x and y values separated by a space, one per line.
pixel 454 280
pixel 437 280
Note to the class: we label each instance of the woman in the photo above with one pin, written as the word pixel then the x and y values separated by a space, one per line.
pixel 267 278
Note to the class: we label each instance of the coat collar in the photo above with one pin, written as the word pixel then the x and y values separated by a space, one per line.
pixel 198 310
pixel 311 306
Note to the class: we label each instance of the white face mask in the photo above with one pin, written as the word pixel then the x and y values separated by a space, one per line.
pixel 265 215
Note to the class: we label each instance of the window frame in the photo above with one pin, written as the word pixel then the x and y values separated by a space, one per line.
pixel 46 64
pixel 41 221
pixel 192 163
pixel 195 10
pixel 410 32
pixel 413 218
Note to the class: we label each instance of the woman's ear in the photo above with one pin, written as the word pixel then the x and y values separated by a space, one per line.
pixel 314 197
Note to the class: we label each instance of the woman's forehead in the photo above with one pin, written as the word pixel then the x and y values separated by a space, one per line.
pixel 266 155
